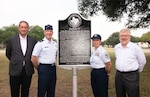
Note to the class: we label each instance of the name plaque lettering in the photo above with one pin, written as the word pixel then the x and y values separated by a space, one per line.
pixel 74 40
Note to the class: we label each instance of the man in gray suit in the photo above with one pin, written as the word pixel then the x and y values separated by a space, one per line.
pixel 18 51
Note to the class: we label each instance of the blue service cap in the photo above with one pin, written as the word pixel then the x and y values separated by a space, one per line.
pixel 48 27
pixel 96 36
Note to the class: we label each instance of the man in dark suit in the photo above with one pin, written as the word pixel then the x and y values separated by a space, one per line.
pixel 18 51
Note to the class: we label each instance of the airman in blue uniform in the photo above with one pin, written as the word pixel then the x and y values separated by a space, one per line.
pixel 101 67
pixel 44 58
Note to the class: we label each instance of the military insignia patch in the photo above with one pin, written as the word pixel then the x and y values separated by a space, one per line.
pixel 107 55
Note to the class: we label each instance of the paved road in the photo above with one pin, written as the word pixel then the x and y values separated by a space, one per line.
pixel 146 50
pixel 2 51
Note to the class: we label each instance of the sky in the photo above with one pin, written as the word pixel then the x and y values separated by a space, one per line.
pixel 43 12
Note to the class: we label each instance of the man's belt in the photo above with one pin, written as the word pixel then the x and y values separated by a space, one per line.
pixel 98 68
pixel 47 64
pixel 127 71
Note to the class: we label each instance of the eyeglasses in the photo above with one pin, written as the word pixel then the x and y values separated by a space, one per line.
pixel 124 35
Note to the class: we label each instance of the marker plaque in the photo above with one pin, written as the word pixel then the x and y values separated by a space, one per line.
pixel 74 40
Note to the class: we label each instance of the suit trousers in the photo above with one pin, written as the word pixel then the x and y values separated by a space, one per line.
pixel 127 83
pixel 46 80
pixel 22 83
pixel 99 82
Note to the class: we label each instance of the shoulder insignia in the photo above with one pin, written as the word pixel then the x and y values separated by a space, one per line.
pixel 41 40
pixel 107 55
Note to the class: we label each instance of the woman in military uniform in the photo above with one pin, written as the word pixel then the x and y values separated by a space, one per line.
pixel 101 67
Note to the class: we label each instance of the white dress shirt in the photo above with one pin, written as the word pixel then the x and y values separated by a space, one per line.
pixel 130 58
pixel 23 42
pixel 99 57
pixel 45 50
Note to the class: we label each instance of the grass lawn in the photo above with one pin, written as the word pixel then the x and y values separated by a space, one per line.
pixel 64 80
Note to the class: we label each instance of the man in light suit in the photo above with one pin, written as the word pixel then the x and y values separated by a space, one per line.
pixel 18 51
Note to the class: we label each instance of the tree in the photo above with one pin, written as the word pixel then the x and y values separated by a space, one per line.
pixel 8 31
pixel 136 11
pixel 114 39
pixel 135 39
pixel 36 32
pixel 145 37
pixel 1 35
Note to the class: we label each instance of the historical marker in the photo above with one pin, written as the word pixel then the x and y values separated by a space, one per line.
pixel 74 40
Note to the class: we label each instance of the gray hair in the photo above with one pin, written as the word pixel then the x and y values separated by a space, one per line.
pixel 125 30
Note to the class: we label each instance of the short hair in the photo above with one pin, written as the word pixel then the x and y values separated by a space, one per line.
pixel 24 22
pixel 125 30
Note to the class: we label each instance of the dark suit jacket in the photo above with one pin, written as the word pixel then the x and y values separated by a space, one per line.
pixel 16 57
